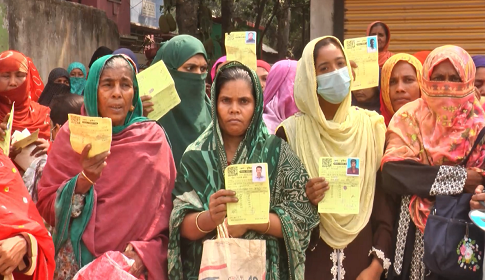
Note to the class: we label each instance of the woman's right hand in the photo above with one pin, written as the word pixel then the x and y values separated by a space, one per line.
pixel 147 105
pixel 476 198
pixel 92 167
pixel 473 180
pixel 217 205
pixel 316 189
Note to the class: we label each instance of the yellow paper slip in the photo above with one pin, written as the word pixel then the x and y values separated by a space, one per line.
pixel 5 145
pixel 90 130
pixel 27 141
pixel 157 82
pixel 251 184
pixel 365 53
pixel 241 46
pixel 343 176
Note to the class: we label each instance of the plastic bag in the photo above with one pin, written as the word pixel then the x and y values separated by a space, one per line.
pixel 111 265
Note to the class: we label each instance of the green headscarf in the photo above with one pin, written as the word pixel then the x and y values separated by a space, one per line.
pixel 91 94
pixel 77 84
pixel 201 174
pixel 64 199
pixel 184 123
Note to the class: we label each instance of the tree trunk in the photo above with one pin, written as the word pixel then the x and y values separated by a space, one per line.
pixel 259 50
pixel 283 33
pixel 227 13
pixel 186 16
pixel 259 14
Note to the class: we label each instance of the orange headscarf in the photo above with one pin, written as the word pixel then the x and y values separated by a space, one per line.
pixel 384 55
pixel 387 111
pixel 441 127
pixel 27 114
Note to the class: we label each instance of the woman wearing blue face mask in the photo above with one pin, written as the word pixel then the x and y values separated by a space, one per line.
pixel 350 246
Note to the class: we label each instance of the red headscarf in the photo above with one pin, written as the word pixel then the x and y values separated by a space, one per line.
pixel 384 55
pixel 19 216
pixel 422 55
pixel 263 64
pixel 27 114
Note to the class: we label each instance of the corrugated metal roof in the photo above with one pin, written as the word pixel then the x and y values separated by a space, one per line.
pixel 421 25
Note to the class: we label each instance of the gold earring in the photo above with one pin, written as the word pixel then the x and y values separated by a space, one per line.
pixel 132 108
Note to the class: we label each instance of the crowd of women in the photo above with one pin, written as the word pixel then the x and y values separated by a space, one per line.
pixel 159 192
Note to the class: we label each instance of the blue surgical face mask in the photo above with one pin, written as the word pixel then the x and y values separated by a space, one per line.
pixel 335 86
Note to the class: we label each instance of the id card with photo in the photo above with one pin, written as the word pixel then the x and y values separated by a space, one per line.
pixel 343 176
pixel 251 184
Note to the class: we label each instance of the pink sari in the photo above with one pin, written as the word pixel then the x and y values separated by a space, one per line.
pixel 132 198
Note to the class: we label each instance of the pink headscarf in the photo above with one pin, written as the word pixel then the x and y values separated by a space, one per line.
pixel 214 67
pixel 279 103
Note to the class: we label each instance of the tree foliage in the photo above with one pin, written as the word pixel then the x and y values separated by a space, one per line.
pixel 294 14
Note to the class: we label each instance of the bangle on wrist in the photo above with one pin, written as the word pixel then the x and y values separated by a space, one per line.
pixel 269 226
pixel 86 177
pixel 197 223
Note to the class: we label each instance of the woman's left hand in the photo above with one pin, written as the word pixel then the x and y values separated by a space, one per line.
pixel 12 251
pixel 237 230
pixel 138 268
pixel 42 146
pixel 373 272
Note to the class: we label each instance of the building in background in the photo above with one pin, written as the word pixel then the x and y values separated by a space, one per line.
pixel 418 25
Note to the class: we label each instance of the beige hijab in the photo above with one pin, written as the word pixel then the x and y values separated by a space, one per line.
pixel 353 132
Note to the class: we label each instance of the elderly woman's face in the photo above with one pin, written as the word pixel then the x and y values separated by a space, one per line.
pixel 115 94
pixel 11 80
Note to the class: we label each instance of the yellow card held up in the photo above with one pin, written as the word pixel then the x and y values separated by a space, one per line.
pixel 241 46
pixel 5 145
pixel 364 52
pixel 251 184
pixel 157 82
pixel 90 130
pixel 343 176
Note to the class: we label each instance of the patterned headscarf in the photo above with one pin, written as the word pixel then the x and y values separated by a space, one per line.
pixel 202 174
pixel 387 111
pixel 441 127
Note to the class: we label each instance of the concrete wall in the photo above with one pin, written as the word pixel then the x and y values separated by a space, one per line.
pixel 55 33
pixel 321 18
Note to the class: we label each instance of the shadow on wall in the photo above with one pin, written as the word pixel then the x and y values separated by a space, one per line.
pixel 55 33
